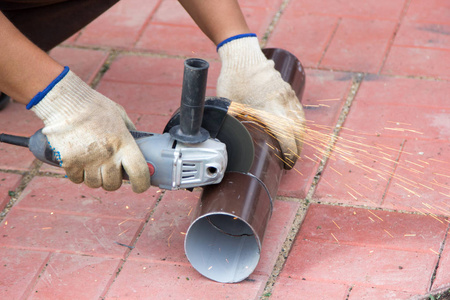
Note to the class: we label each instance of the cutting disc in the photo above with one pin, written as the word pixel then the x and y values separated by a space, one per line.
pixel 228 130
pixel 239 144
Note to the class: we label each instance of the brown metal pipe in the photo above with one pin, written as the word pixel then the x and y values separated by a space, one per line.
pixel 224 241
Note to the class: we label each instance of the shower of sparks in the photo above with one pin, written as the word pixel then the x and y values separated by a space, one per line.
pixel 409 175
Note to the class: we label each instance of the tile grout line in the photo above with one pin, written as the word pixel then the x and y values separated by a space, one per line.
pixel 112 55
pixel 274 22
pixel 146 23
pixel 146 53
pixel 328 43
pixel 301 212
pixel 394 35
pixel 433 276
pixel 27 176
pixel 131 247
pixel 392 174
pixel 29 292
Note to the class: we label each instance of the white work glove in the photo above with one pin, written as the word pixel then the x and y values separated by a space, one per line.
pixel 90 134
pixel 248 78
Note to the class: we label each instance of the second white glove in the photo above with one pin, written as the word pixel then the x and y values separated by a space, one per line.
pixel 247 77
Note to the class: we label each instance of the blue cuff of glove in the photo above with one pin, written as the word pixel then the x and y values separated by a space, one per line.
pixel 239 36
pixel 39 96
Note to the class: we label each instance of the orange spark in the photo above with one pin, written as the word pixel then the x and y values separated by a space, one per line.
pixel 335 238
pixel 336 224
pixel 375 215
pixel 434 251
pixel 388 233
pixel 335 170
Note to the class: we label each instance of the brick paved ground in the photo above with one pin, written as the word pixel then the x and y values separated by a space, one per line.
pixel 369 223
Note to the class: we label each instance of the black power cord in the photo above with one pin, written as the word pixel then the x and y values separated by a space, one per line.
pixel 14 140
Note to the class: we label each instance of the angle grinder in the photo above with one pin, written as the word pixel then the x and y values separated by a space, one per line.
pixel 199 144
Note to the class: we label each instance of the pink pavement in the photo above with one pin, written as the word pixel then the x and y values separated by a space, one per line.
pixel 371 222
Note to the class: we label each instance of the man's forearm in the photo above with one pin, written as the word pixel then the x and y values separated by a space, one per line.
pixel 24 68
pixel 218 19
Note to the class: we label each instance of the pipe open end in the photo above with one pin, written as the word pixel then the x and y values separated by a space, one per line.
pixel 222 247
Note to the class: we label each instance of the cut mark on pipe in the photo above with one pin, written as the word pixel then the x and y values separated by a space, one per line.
pixel 226 233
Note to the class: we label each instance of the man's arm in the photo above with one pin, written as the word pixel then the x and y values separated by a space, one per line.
pixel 88 131
pixel 247 77
pixel 24 68
pixel 218 19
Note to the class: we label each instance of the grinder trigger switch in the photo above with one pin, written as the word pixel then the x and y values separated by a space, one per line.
pixel 151 168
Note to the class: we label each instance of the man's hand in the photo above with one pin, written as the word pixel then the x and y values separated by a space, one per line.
pixel 251 81
pixel 90 134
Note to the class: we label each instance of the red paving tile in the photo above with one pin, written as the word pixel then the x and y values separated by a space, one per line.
pixel 163 236
pixel 138 280
pixel 152 123
pixel 305 36
pixel 279 224
pixel 149 85
pixel 358 170
pixel 48 231
pixel 410 61
pixel 322 108
pixel 402 91
pixel 140 98
pixel 15 158
pixel 401 107
pixel 171 12
pixel 85 63
pixel 372 9
pixel 8 183
pixel 120 26
pixel 359 292
pixel 145 70
pixel 421 181
pixel 19 271
pixel 75 277
pixel 301 289
pixel 16 119
pixel 359 45
pixel 427 35
pixel 421 46
pixel 49 169
pixel 186 41
pixel 442 275
pixel 333 260
pixel 60 195
pixel 384 268
pixel 372 229
pixel 435 11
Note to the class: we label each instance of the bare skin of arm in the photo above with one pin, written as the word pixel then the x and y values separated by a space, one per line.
pixel 218 19
pixel 25 69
